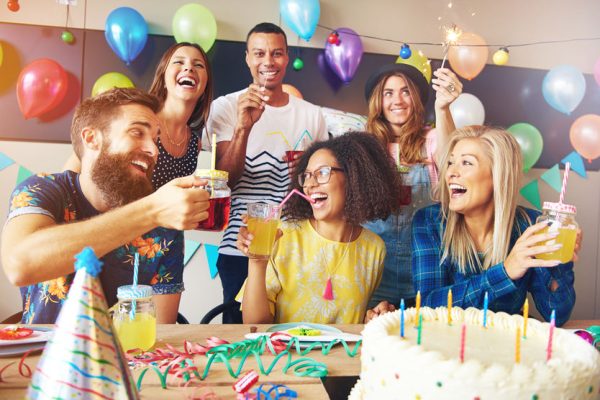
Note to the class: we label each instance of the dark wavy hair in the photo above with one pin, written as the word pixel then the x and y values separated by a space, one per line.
pixel 372 183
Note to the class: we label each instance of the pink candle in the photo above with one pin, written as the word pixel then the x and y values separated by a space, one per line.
pixel 463 335
pixel 551 335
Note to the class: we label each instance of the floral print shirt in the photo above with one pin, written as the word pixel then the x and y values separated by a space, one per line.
pixel 59 196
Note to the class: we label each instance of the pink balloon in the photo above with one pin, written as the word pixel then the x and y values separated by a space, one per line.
pixel 469 55
pixel 41 86
pixel 597 71
pixel 585 136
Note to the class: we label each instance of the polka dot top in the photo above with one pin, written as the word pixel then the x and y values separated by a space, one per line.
pixel 169 167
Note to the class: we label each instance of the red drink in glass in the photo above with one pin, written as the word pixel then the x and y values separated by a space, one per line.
pixel 218 214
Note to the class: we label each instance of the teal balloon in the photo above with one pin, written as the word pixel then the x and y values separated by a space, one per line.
pixel 563 88
pixel 531 142
pixel 126 32
pixel 301 16
pixel 195 23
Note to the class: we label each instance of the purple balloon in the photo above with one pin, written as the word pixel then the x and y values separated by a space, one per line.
pixel 343 58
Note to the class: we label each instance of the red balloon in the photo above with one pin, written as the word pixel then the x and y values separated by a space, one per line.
pixel 41 86
pixel 13 5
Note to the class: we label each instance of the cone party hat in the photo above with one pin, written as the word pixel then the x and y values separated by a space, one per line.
pixel 83 359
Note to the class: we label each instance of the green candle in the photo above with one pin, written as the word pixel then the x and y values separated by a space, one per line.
pixel 420 328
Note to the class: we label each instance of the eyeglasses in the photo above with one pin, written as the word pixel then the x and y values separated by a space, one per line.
pixel 321 175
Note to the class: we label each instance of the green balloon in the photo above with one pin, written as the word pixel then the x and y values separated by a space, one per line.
pixel 195 23
pixel 111 80
pixel 298 64
pixel 531 143
pixel 67 37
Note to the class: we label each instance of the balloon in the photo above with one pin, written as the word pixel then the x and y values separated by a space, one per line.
pixel 585 136
pixel 596 70
pixel 289 89
pixel 111 80
pixel 195 23
pixel 343 58
pixel 418 60
pixel 469 55
pixel 563 88
pixel 530 141
pixel 41 86
pixel 500 57
pixel 126 32
pixel 301 16
pixel 467 110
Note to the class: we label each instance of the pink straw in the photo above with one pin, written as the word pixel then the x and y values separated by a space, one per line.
pixel 286 198
pixel 564 182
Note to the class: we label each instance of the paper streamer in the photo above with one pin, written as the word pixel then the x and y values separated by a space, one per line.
pixel 23 174
pixel 577 164
pixel 552 178
pixel 191 247
pixel 5 161
pixel 212 252
pixel 531 193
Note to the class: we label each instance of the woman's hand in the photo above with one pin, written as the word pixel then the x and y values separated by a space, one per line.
pixel 245 237
pixel 447 88
pixel 522 255
pixel 379 309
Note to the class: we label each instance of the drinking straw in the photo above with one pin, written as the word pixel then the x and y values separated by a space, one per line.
pixel 286 198
pixel 213 159
pixel 136 265
pixel 564 182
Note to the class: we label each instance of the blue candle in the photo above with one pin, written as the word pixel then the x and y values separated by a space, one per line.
pixel 485 308
pixel 402 318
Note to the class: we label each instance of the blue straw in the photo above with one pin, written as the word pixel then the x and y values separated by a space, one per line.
pixel 136 265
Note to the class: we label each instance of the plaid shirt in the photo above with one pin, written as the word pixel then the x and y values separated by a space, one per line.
pixel 434 279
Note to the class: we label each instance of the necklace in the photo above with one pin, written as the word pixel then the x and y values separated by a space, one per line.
pixel 328 293
pixel 185 136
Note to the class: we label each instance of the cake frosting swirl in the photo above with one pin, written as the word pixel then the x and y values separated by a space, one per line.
pixel 397 368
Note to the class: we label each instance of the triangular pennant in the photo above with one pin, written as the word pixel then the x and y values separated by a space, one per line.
pixel 212 252
pixel 84 358
pixel 190 249
pixel 531 193
pixel 577 164
pixel 552 178
pixel 23 174
pixel 5 161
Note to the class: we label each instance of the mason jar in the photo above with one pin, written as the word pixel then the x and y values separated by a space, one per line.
pixel 560 218
pixel 220 199
pixel 134 317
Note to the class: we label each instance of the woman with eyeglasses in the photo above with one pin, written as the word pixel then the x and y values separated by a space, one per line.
pixel 325 265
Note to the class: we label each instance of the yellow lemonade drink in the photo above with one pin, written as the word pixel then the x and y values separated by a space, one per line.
pixel 136 333
pixel 567 237
pixel 264 232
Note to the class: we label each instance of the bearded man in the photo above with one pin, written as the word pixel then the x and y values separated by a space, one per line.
pixel 110 206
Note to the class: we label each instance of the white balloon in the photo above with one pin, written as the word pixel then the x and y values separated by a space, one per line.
pixel 467 110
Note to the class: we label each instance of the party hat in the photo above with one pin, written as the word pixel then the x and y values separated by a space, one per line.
pixel 84 358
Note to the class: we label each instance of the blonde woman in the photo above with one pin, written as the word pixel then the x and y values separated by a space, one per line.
pixel 478 240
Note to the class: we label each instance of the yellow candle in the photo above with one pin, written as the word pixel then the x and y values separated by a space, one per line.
pixel 518 347
pixel 418 307
pixel 525 317
pixel 449 306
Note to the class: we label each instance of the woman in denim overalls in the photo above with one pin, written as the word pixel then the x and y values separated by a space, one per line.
pixel 397 94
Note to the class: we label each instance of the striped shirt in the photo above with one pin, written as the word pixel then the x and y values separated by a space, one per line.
pixel 265 177
pixel 434 279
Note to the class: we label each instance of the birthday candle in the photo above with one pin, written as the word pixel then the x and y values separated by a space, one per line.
pixel 449 306
pixel 525 317
pixel 518 346
pixel 402 318
pixel 485 309
pixel 420 329
pixel 551 334
pixel 417 307
pixel 463 335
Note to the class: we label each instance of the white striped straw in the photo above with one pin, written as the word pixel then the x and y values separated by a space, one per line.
pixel 136 265
pixel 564 182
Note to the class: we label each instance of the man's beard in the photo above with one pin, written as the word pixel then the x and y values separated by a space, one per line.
pixel 119 186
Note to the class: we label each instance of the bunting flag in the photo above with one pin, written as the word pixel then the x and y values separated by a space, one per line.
pixel 577 164
pixel 552 177
pixel 531 193
pixel 212 253
pixel 23 174
pixel 5 161
pixel 190 249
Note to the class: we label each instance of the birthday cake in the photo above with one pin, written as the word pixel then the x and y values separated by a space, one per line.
pixel 393 367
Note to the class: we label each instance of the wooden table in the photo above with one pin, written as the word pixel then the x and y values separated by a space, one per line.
pixel 218 380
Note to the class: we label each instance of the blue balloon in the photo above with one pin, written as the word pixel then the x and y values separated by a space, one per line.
pixel 301 16
pixel 563 88
pixel 126 32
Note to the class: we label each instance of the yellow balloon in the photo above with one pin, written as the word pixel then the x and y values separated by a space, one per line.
pixel 500 57
pixel 418 60
pixel 111 80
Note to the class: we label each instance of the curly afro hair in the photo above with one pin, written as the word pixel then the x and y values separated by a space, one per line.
pixel 372 182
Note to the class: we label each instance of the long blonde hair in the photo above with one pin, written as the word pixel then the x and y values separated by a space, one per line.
pixel 412 138
pixel 504 155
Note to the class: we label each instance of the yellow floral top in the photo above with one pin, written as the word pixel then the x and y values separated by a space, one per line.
pixel 302 263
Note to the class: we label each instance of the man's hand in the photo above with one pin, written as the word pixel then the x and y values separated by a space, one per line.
pixel 251 105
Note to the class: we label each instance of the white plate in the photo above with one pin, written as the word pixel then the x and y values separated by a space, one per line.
pixel 37 340
pixel 328 333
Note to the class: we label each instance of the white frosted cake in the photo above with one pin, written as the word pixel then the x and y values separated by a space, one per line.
pixel 397 368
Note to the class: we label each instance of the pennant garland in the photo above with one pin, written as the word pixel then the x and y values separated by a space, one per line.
pixel 23 174
pixel 577 164
pixel 5 161
pixel 552 177
pixel 212 253
pixel 190 249
pixel 531 193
